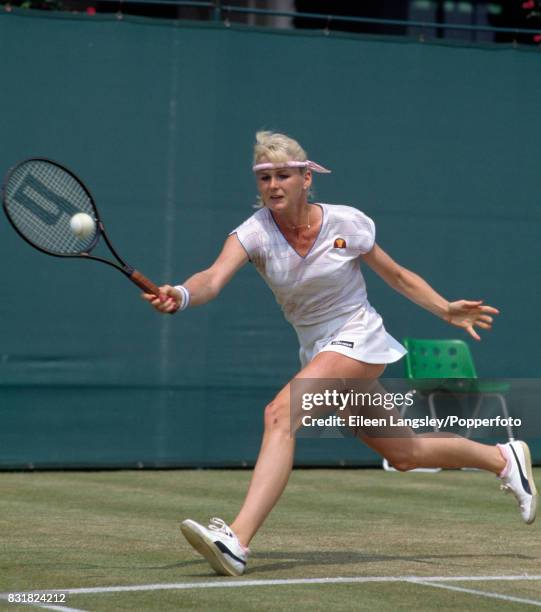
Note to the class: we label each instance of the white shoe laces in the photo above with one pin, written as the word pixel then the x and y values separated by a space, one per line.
pixel 217 524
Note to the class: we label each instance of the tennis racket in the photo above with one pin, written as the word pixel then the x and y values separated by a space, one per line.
pixel 40 197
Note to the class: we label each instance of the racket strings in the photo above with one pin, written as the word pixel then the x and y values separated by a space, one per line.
pixel 41 198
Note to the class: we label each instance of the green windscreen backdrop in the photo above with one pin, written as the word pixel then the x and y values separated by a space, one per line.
pixel 438 144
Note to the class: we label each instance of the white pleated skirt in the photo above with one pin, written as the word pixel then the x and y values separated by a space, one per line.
pixel 360 335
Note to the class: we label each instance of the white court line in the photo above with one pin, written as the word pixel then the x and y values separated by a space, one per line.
pixel 448 587
pixel 285 581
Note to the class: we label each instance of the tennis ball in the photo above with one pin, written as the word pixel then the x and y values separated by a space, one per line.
pixel 82 225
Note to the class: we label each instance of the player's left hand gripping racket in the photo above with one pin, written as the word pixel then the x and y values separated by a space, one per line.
pixel 40 197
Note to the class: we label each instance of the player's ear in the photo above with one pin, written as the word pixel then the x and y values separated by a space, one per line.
pixel 307 180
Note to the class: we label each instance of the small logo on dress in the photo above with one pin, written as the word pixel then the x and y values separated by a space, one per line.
pixel 343 343
pixel 339 243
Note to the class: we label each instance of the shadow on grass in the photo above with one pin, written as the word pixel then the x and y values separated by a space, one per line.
pixel 283 561
pixel 276 561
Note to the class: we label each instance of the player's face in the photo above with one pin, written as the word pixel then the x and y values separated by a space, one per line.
pixel 283 188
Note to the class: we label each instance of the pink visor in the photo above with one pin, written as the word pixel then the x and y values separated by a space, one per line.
pixel 292 164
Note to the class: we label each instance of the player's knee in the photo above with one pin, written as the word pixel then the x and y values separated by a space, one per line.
pixel 403 466
pixel 404 457
pixel 277 417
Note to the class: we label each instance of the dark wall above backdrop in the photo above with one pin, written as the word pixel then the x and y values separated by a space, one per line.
pixel 470 21
pixel 438 144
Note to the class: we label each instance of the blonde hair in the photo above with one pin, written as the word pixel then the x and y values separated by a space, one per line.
pixel 276 148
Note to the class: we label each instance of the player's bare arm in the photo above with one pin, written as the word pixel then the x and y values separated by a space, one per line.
pixel 203 286
pixel 463 313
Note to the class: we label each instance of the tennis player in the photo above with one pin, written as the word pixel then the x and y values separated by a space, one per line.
pixel 310 254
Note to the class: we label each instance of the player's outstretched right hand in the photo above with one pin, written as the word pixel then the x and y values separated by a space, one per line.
pixel 168 302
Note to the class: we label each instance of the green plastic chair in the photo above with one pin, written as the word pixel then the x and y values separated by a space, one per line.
pixel 438 359
pixel 451 363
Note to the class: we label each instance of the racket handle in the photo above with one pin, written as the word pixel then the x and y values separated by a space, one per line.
pixel 144 283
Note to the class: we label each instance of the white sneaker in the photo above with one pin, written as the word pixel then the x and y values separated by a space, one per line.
pixel 517 478
pixel 218 544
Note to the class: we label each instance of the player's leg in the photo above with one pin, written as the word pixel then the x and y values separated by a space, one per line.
pixel 406 451
pixel 226 547
pixel 275 458
pixel 511 462
pixel 436 451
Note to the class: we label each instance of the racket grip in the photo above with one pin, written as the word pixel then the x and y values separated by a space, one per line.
pixel 144 283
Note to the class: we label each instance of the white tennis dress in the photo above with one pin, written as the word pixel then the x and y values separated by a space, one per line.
pixel 323 294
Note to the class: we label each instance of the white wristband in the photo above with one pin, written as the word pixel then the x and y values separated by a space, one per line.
pixel 185 296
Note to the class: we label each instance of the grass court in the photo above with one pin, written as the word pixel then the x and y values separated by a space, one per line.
pixel 338 539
